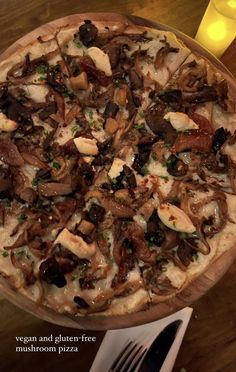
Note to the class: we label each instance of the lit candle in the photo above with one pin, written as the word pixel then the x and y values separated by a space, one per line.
pixel 218 27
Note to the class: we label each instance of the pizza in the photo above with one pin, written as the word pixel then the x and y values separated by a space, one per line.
pixel 117 168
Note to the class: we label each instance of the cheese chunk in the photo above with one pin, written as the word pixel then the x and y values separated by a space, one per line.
pixel 116 168
pixel 180 121
pixel 75 244
pixel 175 218
pixel 7 125
pixel 101 60
pixel 86 146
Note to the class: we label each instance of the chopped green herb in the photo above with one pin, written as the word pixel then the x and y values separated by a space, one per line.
pixel 116 83
pixel 74 276
pixel 92 124
pixel 22 217
pixel 140 126
pixel 74 130
pixel 167 145
pixel 193 235
pixel 5 254
pixel 20 254
pixel 144 170
pixel 7 203
pixel 141 114
pixel 174 223
pixel 26 93
pixel 68 157
pixel 41 69
pixel 56 165
pixel 195 256
pixel 163 269
pixel 42 78
pixel 113 181
pixel 164 177
pixel 90 115
pixel 78 44
pixel 66 46
pixel 34 182
pixel 159 258
pixel 154 156
pixel 46 133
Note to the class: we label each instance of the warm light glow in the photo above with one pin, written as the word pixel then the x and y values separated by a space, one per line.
pixel 217 31
pixel 232 3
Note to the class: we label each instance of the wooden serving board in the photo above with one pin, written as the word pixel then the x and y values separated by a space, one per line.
pixel 189 294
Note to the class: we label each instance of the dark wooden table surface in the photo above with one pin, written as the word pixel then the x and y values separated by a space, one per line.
pixel 210 342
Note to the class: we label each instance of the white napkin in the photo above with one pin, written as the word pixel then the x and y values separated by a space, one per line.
pixel 114 341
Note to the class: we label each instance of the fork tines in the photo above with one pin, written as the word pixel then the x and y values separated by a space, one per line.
pixel 128 358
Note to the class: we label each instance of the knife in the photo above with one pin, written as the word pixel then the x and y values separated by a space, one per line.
pixel 160 347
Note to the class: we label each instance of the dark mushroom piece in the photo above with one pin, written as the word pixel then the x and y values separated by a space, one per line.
pixel 185 252
pixel 14 110
pixel 195 141
pixel 29 195
pixel 129 177
pixel 136 82
pixel 117 209
pixel 144 150
pixel 80 302
pixel 113 51
pixel 154 117
pixel 87 33
pixel 5 182
pixel 55 79
pixel 43 174
pixel 176 167
pixel 169 96
pixel 219 138
pixel 111 110
pixel 206 94
pixel 49 109
pixel 9 153
pixel 54 189
pixel 50 272
pixel 96 213
pixel 155 233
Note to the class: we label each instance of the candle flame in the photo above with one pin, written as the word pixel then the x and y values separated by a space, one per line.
pixel 232 4
pixel 217 31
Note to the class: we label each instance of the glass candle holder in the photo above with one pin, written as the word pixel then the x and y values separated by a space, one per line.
pixel 218 27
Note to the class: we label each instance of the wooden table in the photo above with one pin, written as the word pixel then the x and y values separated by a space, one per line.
pixel 210 341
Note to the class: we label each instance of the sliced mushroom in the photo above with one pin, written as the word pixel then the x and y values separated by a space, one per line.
pixel 54 189
pixel 9 153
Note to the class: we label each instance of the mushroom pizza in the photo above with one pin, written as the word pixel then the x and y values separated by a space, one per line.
pixel 117 168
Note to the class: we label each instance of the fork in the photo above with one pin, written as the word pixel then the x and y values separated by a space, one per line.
pixel 129 357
